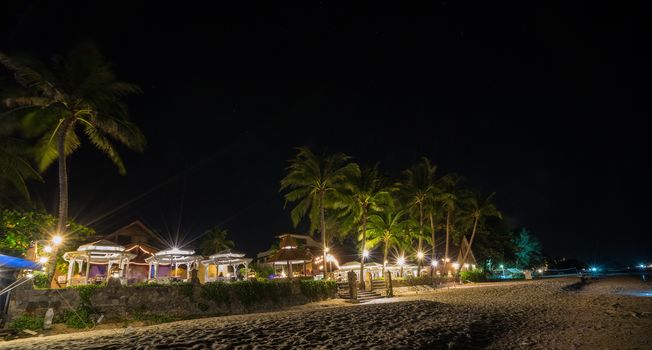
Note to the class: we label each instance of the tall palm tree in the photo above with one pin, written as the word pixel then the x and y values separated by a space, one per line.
pixel 76 92
pixel 478 209
pixel 216 241
pixel 317 183
pixel 448 198
pixel 385 228
pixel 368 195
pixel 415 190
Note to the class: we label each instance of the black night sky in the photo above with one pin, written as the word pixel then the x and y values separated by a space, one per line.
pixel 539 103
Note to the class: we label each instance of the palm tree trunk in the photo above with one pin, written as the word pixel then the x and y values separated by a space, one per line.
pixel 468 249
pixel 385 251
pixel 448 225
pixel 322 218
pixel 364 243
pixel 420 249
pixel 62 223
pixel 432 254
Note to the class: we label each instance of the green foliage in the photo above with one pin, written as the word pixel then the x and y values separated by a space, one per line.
pixel 41 280
pixel 318 290
pixel 473 276
pixel 86 292
pixel 251 292
pixel 528 249
pixel 185 289
pixel 218 292
pixel 18 229
pixel 78 318
pixel 216 241
pixel 27 322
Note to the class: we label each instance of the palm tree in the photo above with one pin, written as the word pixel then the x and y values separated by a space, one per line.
pixel 368 194
pixel 387 229
pixel 317 183
pixel 448 198
pixel 415 190
pixel 478 210
pixel 216 241
pixel 78 91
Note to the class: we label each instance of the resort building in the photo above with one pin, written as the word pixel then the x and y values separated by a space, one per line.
pixel 295 255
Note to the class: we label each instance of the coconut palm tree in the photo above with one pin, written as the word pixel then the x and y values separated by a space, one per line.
pixel 216 241
pixel 448 198
pixel 317 183
pixel 386 228
pixel 415 190
pixel 368 194
pixel 478 209
pixel 76 92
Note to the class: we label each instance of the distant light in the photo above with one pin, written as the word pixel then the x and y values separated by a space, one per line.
pixel 502 266
pixel 115 275
pixel 365 253
pixel 420 255
pixel 43 259
pixel 400 260
pixel 434 263
pixel 326 249
pixel 456 266
pixel 321 267
pixel 386 262
pixel 540 270
pixel 466 266
pixel 56 240
pixel 594 269
pixel 473 266
pixel 47 249
pixel 29 275
pixel 642 266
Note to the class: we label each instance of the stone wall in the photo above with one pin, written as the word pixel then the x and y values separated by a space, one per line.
pixel 117 302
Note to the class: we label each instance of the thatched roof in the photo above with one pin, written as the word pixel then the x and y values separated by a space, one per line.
pixel 290 252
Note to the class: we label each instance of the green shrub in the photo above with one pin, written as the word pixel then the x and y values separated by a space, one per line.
pixel 41 280
pixel 27 322
pixel 218 292
pixel 185 289
pixel 317 290
pixel 86 292
pixel 78 318
pixel 473 276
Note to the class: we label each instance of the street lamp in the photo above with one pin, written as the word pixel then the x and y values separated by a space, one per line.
pixel 420 255
pixel 400 260
pixel 365 253
pixel 47 249
pixel 57 239
pixel 434 263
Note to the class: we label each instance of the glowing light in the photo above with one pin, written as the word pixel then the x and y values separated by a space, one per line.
pixel 466 266
pixel 473 266
pixel 594 269
pixel 434 263
pixel 386 262
pixel 326 249
pixel 502 266
pixel 115 275
pixel 29 275
pixel 43 259
pixel 56 240
pixel 321 267
pixel 446 260
pixel 365 253
pixel 540 270
pixel 420 255
pixel 400 260
pixel 642 266
pixel 456 266
pixel 47 249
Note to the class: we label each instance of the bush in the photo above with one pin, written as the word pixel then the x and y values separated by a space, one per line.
pixel 218 292
pixel 317 290
pixel 27 322
pixel 41 280
pixel 473 276
pixel 79 318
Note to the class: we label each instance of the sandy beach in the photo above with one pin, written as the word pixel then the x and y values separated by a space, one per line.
pixel 609 313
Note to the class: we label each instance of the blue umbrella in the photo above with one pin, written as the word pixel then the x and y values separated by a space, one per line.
pixel 11 262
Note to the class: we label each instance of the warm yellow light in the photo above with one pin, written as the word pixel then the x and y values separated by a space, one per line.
pixel 56 240
pixel 43 259
pixel 365 253
pixel 400 260
pixel 47 249
pixel 456 266
pixel 420 255
pixel 326 249
pixel 466 266
pixel 540 271
pixel 434 263
pixel 29 275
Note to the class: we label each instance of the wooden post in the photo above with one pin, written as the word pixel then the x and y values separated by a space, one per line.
pixel 353 286
pixel 388 285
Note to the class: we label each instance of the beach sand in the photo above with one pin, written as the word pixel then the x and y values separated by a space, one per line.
pixel 609 313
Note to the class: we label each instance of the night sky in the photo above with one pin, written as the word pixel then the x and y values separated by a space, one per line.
pixel 540 103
